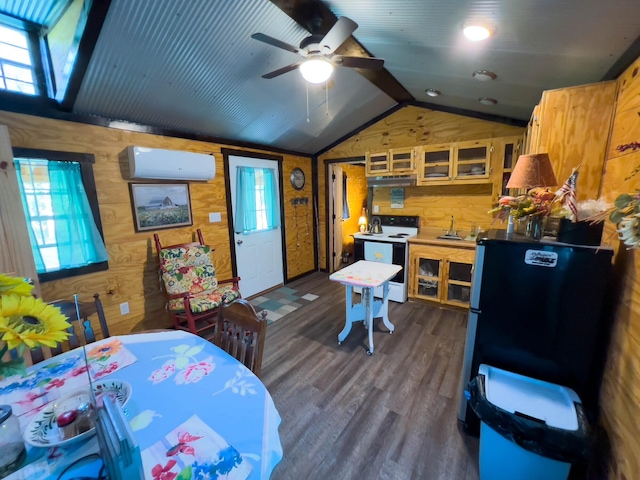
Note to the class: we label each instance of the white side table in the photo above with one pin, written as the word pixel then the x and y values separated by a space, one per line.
pixel 367 275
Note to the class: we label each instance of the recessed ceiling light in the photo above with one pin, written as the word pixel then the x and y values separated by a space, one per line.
pixel 484 75
pixel 433 92
pixel 476 32
pixel 487 101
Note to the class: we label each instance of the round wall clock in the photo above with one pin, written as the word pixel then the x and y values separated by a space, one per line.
pixel 297 178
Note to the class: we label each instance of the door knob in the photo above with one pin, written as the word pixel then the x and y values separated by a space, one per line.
pixel 239 242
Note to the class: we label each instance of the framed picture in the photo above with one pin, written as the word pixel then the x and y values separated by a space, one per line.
pixel 160 205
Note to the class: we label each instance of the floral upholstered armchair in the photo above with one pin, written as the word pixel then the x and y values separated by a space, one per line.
pixel 193 292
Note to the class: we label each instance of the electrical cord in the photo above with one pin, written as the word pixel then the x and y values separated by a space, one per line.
pixel 93 456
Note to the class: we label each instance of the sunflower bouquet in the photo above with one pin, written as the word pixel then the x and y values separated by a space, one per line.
pixel 25 322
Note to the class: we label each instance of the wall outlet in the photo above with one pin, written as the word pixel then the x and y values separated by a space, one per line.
pixel 124 308
pixel 215 217
pixel 376 209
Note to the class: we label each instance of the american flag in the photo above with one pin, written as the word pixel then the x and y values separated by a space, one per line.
pixel 566 194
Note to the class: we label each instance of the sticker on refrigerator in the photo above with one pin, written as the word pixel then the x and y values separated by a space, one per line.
pixel 541 258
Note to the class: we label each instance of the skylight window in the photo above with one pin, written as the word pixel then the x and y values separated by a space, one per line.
pixel 16 69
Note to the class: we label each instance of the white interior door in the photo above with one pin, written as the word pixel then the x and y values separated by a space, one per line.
pixel 337 216
pixel 258 253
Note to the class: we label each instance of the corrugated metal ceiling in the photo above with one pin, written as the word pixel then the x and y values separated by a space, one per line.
pixel 537 45
pixel 41 12
pixel 197 69
pixel 193 66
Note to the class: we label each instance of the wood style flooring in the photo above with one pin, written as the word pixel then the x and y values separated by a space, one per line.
pixel 346 415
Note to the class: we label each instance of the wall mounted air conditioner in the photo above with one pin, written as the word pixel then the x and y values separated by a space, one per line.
pixel 170 164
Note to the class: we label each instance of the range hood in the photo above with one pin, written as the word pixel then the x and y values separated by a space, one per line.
pixel 392 181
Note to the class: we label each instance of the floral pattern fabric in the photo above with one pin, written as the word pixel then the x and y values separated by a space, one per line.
pixel 207 300
pixel 188 270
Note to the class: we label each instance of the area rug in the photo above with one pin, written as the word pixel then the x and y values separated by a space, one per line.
pixel 281 302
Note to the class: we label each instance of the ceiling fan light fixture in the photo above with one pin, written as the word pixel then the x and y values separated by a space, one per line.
pixel 432 92
pixel 477 32
pixel 316 70
pixel 487 101
pixel 484 75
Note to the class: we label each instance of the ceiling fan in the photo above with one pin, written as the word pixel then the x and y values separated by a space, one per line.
pixel 319 55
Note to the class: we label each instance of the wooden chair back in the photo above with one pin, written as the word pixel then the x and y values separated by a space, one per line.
pixel 241 333
pixel 81 331
pixel 159 247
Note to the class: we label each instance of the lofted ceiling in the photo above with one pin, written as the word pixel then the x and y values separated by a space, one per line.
pixel 193 67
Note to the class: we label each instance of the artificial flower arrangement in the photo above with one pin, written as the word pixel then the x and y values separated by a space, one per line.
pixel 26 322
pixel 537 201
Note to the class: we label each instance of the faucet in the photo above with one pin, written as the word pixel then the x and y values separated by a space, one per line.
pixel 451 232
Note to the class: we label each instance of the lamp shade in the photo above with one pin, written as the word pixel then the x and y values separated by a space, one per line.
pixel 532 170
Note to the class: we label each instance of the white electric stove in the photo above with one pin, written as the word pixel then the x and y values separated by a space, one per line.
pixel 390 246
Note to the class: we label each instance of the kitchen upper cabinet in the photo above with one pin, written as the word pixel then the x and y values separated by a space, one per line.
pixel 572 125
pixel 441 274
pixel 435 163
pixel 376 164
pixel 455 163
pixel 402 161
pixel 472 160
pixel 508 151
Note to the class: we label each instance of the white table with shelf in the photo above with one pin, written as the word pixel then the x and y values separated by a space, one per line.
pixel 367 275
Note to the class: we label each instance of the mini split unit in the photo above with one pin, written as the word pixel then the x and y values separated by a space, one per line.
pixel 162 164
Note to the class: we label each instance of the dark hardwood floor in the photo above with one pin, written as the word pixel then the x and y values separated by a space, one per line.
pixel 346 415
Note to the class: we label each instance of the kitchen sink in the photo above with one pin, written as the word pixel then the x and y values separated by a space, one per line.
pixel 449 237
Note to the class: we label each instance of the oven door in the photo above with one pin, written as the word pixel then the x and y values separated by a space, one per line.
pixel 383 252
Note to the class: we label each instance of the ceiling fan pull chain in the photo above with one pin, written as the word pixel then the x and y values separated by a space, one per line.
pixel 326 95
pixel 307 102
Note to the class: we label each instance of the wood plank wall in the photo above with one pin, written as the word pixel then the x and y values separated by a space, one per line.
pixel 413 126
pixel 357 198
pixel 573 129
pixel 620 394
pixel 132 276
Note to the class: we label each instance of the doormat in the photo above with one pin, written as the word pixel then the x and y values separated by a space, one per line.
pixel 280 302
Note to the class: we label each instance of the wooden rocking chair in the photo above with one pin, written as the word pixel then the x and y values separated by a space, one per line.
pixel 192 290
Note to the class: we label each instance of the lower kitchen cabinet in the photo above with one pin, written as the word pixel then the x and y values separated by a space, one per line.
pixel 441 274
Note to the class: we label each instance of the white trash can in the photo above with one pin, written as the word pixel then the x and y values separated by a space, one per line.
pixel 530 430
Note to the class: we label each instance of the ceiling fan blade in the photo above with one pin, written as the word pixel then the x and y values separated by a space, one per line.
pixel 275 42
pixel 340 31
pixel 282 70
pixel 368 63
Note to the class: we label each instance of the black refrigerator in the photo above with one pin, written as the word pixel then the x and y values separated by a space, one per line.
pixel 536 309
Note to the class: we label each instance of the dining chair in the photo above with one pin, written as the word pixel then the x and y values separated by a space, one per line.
pixel 192 291
pixel 241 333
pixel 81 331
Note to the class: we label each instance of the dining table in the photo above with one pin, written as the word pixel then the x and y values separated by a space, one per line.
pixel 368 275
pixel 194 410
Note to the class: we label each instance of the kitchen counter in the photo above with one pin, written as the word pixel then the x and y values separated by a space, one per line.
pixel 428 236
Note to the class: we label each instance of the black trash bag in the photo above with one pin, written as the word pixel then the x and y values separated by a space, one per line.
pixel 569 446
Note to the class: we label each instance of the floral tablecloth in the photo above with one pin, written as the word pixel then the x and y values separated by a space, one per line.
pixel 195 410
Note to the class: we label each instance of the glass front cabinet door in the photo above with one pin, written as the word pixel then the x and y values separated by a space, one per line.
pixel 472 160
pixel 435 163
pixel 441 274
pixel 377 163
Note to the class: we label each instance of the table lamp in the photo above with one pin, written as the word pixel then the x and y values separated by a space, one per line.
pixel 533 170
pixel 362 221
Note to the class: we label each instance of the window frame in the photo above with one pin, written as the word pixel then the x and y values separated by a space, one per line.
pixel 38 60
pixel 86 161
